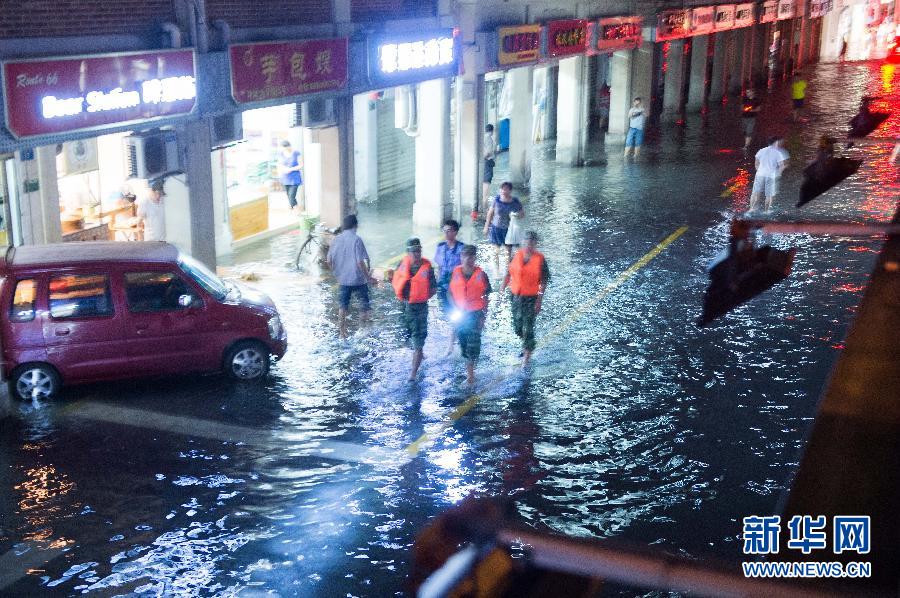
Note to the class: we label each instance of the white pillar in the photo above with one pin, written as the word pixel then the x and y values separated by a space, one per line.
pixel 520 143
pixel 621 72
pixel 323 177
pixel 198 207
pixel 468 144
pixel 721 67
pixel 365 148
pixel 674 74
pixel 433 154
pixel 570 113
pixel 39 199
pixel 699 57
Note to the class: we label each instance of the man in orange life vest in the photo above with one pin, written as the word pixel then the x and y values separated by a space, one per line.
pixel 527 279
pixel 414 284
pixel 469 290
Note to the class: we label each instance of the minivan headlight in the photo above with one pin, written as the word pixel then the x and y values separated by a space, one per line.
pixel 275 328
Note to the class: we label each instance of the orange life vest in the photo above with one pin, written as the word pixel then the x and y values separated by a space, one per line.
pixel 525 279
pixel 418 284
pixel 469 295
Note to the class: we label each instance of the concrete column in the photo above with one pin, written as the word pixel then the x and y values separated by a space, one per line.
pixel 190 208
pixel 642 76
pixel 433 154
pixel 468 150
pixel 570 113
pixel 621 69
pixel 699 58
pixel 365 148
pixel 761 40
pixel 520 82
pixel 39 197
pixel 674 74
pixel 722 67
pixel 328 167
pixel 804 42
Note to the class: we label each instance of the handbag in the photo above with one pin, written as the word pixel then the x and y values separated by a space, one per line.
pixel 515 232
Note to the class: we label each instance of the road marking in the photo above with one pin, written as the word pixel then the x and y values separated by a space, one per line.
pixel 194 427
pixel 428 437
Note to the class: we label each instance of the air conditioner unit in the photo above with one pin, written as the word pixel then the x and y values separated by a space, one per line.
pixel 318 113
pixel 226 129
pixel 151 154
pixel 296 119
pixel 76 157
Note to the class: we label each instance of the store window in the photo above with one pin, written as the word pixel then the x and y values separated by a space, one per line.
pixel 23 301
pixel 155 291
pixel 80 296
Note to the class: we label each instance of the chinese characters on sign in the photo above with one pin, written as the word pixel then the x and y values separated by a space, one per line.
pixel 785 9
pixel 743 15
pixel 567 38
pixel 702 20
pixel 57 95
pixel 622 33
pixel 769 11
pixel 396 59
pixel 724 17
pixel 519 44
pixel 266 71
pixel 819 8
pixel 673 24
pixel 850 533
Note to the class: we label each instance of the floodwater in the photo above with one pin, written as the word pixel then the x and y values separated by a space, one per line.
pixel 633 424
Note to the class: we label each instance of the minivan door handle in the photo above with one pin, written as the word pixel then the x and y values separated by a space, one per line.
pixel 61 331
pixel 141 329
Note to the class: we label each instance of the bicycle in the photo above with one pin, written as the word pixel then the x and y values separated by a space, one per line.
pixel 317 242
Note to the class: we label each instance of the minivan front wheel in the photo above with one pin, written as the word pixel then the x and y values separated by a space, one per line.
pixel 34 381
pixel 247 360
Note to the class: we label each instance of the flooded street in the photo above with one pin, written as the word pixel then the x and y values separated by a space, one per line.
pixel 633 423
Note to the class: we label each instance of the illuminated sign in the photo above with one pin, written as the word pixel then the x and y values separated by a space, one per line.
pixel 702 20
pixel 56 95
pixel 412 57
pixel 785 9
pixel 619 33
pixel 743 15
pixel 769 11
pixel 271 70
pixel 819 8
pixel 673 24
pixel 519 44
pixel 567 38
pixel 724 17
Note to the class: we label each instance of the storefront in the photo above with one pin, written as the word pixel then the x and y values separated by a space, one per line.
pixel 69 183
pixel 614 34
pixel 402 137
pixel 252 187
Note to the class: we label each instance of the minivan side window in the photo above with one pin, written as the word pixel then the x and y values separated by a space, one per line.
pixel 80 296
pixel 23 301
pixel 155 291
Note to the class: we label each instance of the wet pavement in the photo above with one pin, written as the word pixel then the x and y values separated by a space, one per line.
pixel 633 423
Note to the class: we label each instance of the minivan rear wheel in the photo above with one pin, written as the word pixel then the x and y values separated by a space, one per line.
pixel 247 360
pixel 34 381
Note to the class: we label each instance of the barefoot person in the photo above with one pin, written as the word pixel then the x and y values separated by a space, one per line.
pixel 349 261
pixel 414 285
pixel 527 279
pixel 496 223
pixel 469 290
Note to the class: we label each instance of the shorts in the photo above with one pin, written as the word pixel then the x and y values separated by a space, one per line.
pixel 798 103
pixel 497 235
pixel 634 138
pixel 468 331
pixel 415 320
pixel 443 295
pixel 767 185
pixel 523 320
pixel 748 124
pixel 362 290
pixel 488 171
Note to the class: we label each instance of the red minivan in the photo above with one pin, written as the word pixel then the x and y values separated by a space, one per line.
pixel 92 311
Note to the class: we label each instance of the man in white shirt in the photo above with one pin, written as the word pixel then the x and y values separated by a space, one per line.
pixel 152 213
pixel 490 152
pixel 770 163
pixel 637 117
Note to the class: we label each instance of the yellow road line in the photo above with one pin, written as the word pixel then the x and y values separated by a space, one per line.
pixel 414 448
pixel 393 261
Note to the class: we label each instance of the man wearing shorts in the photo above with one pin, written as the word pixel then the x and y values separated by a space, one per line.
pixel 349 261
pixel 414 284
pixel 637 117
pixel 749 109
pixel 490 153
pixel 770 163
pixel 798 95
pixel 469 289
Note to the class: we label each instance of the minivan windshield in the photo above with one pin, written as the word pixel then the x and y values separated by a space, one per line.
pixel 202 275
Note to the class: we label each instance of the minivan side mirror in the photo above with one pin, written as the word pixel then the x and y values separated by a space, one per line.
pixel 185 300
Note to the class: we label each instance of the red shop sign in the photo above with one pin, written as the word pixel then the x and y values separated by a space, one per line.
pixel 619 33
pixel 567 37
pixel 56 95
pixel 268 71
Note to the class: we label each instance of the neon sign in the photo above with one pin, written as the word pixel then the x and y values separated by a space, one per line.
pixel 519 44
pixel 411 57
pixel 567 37
pixel 154 91
pixel 619 33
